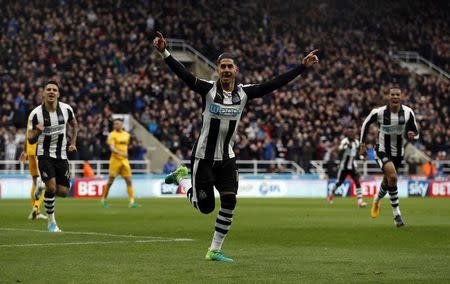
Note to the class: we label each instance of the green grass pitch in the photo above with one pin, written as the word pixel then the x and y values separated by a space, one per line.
pixel 271 240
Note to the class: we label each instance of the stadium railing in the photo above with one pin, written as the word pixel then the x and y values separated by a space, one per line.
pixel 100 167
pixel 265 166
pixel 180 45
pixel 370 167
pixel 411 56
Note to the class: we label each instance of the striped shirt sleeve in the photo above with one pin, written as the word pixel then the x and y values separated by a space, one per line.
pixel 373 117
pixel 32 121
pixel 411 125
pixel 70 113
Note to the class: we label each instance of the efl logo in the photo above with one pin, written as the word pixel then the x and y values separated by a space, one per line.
pixel 272 189
pixel 440 189
pixel 418 188
pixel 343 190
pixel 89 187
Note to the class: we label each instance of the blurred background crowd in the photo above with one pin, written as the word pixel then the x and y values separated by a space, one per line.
pixel 102 53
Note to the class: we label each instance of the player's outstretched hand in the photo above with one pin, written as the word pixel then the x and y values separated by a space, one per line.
pixel 160 42
pixel 72 148
pixel 310 59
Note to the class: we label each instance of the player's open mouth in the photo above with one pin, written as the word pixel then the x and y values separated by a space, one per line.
pixel 226 75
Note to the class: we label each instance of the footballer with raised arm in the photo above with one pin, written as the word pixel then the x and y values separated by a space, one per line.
pixel 213 162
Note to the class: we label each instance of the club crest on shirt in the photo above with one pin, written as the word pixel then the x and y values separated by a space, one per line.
pixel 236 99
pixel 202 194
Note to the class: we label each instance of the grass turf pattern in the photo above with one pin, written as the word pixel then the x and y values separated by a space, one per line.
pixel 271 240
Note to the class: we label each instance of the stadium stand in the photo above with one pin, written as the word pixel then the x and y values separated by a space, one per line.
pixel 102 53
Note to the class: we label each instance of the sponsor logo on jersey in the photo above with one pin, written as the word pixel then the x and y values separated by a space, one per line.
pixel 418 188
pixel 393 129
pixel 224 111
pixel 53 130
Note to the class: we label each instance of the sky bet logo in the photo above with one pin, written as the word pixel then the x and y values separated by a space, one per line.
pixel 343 190
pixel 219 110
pixel 418 188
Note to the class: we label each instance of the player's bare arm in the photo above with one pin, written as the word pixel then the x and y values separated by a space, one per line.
pixel 33 134
pixel 73 135
pixel 23 155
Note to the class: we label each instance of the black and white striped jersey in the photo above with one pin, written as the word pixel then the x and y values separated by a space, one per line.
pixel 349 150
pixel 221 114
pixel 52 142
pixel 393 128
pixel 222 111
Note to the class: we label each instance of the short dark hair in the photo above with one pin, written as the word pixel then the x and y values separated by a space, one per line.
pixel 118 118
pixel 227 55
pixel 54 82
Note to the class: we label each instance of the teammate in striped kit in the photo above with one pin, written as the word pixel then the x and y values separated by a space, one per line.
pixel 47 128
pixel 348 149
pixel 213 163
pixel 396 123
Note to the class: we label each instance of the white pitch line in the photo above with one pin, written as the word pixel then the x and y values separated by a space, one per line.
pixel 98 234
pixel 92 243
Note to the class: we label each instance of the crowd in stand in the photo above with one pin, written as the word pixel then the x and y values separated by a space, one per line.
pixel 102 53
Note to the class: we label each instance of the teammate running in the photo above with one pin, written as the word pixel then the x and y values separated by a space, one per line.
pixel 349 149
pixel 47 128
pixel 397 123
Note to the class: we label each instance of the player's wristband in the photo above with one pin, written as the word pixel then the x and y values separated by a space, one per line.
pixel 165 53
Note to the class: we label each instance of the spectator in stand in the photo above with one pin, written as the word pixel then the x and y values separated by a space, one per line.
pixel 169 166
pixel 106 65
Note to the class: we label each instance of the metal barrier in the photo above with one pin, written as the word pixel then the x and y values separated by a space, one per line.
pixel 100 167
pixel 264 166
pixel 181 45
pixel 411 56
pixel 370 167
